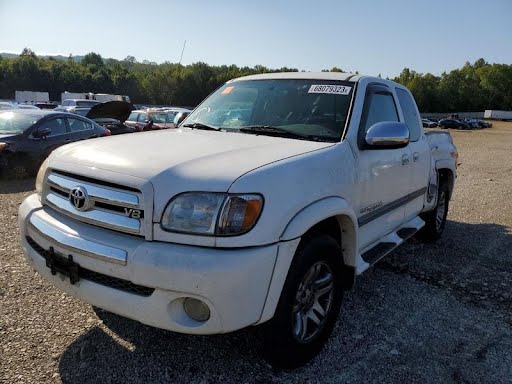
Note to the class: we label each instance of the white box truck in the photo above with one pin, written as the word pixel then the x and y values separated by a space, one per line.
pixel 497 115
pixel 31 97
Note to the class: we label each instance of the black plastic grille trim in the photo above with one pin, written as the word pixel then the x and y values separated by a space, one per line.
pixel 99 278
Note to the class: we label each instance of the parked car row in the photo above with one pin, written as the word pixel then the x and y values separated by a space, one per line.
pixel 455 123
pixel 28 134
pixel 27 137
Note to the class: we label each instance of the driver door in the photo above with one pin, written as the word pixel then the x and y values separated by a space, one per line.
pixel 59 135
pixel 384 174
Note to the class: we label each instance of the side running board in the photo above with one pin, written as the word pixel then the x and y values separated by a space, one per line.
pixel 388 243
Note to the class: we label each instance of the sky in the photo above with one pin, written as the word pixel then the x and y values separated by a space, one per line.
pixel 370 36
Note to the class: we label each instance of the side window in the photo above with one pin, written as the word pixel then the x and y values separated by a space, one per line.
pixel 143 117
pixel 133 116
pixel 378 106
pixel 65 103
pixel 410 113
pixel 57 126
pixel 77 125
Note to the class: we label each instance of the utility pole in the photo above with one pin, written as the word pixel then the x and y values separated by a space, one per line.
pixel 183 50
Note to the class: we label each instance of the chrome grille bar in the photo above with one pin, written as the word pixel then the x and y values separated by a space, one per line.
pixel 110 207
pixel 101 194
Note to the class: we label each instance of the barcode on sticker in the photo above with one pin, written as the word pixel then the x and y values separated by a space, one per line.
pixel 330 89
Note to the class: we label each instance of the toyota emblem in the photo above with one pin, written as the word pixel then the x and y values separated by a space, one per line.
pixel 79 198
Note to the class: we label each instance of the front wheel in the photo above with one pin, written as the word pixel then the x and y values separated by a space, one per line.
pixel 435 220
pixel 308 307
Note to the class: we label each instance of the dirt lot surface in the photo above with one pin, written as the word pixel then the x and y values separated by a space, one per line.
pixel 428 313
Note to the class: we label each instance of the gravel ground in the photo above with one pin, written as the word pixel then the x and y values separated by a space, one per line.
pixel 427 314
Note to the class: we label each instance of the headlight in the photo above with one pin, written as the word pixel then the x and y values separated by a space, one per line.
pixel 40 177
pixel 2 146
pixel 205 213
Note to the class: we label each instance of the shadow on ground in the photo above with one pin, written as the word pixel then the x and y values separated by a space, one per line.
pixel 408 320
pixel 8 186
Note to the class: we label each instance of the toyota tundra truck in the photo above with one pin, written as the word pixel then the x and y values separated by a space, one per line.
pixel 259 210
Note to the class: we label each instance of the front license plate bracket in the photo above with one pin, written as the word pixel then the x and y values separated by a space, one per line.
pixel 65 266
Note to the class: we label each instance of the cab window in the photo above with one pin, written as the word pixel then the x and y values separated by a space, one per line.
pixel 379 106
pixel 133 116
pixel 410 113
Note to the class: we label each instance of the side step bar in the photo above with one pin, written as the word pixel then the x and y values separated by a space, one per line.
pixel 389 242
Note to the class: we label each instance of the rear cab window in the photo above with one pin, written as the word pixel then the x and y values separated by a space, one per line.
pixel 410 113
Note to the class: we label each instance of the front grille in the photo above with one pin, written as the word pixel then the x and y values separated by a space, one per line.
pixel 106 205
pixel 99 278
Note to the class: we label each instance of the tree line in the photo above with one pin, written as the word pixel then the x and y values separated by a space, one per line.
pixel 474 87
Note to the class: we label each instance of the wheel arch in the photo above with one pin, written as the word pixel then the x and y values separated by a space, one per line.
pixel 332 216
pixel 446 175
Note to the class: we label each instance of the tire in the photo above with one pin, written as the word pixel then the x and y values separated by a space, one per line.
pixel 293 337
pixel 435 220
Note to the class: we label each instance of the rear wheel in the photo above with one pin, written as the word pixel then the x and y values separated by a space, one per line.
pixel 308 306
pixel 435 220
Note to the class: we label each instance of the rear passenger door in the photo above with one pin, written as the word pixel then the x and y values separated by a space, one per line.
pixel 419 153
pixel 80 129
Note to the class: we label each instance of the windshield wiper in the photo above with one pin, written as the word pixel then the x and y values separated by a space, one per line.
pixel 201 126
pixel 280 132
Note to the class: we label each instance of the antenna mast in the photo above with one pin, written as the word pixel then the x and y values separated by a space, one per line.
pixel 183 50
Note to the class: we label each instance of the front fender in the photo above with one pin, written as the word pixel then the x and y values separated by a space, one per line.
pixel 290 238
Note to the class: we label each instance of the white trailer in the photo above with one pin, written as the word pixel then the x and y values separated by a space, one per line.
pixel 31 97
pixel 72 95
pixel 497 115
pixel 104 97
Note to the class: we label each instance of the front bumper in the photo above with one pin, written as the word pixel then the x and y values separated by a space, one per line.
pixel 234 283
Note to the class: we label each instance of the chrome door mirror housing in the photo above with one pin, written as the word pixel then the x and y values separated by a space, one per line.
pixel 387 134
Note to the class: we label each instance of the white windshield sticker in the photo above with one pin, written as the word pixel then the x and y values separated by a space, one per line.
pixel 330 89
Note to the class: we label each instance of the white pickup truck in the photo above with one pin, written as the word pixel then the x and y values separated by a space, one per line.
pixel 260 209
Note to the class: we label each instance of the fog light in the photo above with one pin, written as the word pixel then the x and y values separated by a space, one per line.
pixel 196 309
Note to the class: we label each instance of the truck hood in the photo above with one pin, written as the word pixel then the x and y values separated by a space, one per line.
pixel 183 158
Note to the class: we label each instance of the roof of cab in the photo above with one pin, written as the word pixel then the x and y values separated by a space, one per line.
pixel 340 76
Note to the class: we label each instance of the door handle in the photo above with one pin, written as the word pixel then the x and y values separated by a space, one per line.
pixel 405 159
pixel 415 156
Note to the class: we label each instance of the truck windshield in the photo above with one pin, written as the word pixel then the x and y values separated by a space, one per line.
pixel 11 122
pixel 306 108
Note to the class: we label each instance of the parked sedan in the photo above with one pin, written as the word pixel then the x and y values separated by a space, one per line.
pixel 428 123
pixel 110 115
pixel 27 137
pixel 6 106
pixel 472 123
pixel 484 124
pixel 453 123
pixel 150 120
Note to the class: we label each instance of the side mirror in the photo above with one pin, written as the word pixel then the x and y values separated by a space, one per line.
pixel 178 119
pixel 387 134
pixel 42 133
